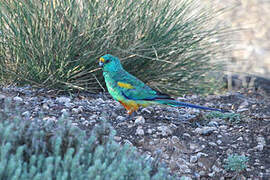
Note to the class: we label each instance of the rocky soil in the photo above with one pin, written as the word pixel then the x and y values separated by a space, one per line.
pixel 190 142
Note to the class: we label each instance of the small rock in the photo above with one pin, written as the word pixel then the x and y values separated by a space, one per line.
pixel 213 123
pixel 75 110
pixel 261 143
pixel 2 96
pixel 194 146
pixel 117 138
pixel 202 173
pixel 128 142
pixel 187 135
pixel 26 113
pixel 205 130
pixel 18 99
pixel 146 110
pixel 45 107
pixel 223 127
pixel 219 141
pixel 186 178
pixel 94 116
pixel 50 119
pixel 63 100
pixel 242 110
pixel 82 119
pixel 120 118
pixel 175 140
pixel 149 131
pixel 211 174
pixel 139 131
pixel 216 169
pixel 193 159
pixel 240 139
pixel 184 168
pixel 64 111
pixel 243 105
pixel 200 154
pixel 212 144
pixel 139 120
pixel 165 130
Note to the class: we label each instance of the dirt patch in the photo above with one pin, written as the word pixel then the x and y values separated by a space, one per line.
pixel 190 142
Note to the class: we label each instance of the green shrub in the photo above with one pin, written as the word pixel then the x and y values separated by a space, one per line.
pixel 231 117
pixel 39 149
pixel 55 44
pixel 236 163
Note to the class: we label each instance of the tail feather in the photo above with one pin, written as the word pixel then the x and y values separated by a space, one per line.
pixel 184 104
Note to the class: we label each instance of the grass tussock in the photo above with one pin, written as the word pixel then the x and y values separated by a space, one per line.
pixel 171 45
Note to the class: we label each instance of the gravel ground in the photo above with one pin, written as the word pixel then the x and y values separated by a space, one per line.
pixel 190 142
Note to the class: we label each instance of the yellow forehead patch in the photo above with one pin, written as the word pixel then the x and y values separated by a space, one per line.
pixel 125 85
pixel 102 59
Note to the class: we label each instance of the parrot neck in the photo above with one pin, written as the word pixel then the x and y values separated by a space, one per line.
pixel 114 71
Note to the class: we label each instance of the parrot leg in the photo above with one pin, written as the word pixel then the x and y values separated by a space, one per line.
pixel 130 107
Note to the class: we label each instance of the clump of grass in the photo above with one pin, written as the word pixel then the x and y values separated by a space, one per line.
pixel 231 117
pixel 35 148
pixel 236 163
pixel 170 45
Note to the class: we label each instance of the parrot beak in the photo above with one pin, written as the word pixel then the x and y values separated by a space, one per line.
pixel 101 62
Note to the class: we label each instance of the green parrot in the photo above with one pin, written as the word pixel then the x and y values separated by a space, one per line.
pixel 132 92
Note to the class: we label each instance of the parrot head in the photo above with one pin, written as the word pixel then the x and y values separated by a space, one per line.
pixel 110 63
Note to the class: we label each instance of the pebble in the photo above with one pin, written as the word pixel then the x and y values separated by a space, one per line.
pixel 63 99
pixel 126 141
pixel 200 154
pixel 2 96
pixel 50 119
pixel 193 159
pixel 261 143
pixel 175 140
pixel 45 107
pixel 240 139
pixel 146 110
pixel 212 144
pixel 205 130
pixel 120 118
pixel 26 113
pixel 212 174
pixel 64 111
pixel 202 173
pixel 216 169
pixel 184 168
pixel 219 141
pixel 185 178
pixel 187 135
pixel 17 99
pixel 165 130
pixel 139 120
pixel 139 131
pixel 213 123
pixel 117 138
pixel 149 131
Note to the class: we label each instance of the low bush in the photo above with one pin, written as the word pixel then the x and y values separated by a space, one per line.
pixel 33 148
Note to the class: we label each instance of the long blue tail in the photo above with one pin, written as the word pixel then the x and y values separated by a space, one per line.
pixel 183 104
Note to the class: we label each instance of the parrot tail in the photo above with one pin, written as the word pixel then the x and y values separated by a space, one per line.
pixel 183 104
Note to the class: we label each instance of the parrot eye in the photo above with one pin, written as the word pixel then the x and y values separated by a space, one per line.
pixel 107 61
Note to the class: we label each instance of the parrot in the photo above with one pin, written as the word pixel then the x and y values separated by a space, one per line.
pixel 131 92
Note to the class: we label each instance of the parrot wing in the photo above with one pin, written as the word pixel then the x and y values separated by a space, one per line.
pixel 134 89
